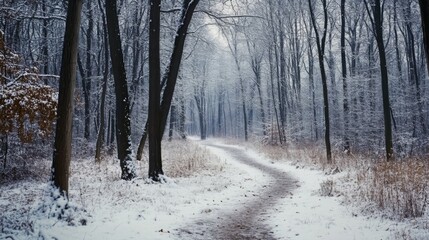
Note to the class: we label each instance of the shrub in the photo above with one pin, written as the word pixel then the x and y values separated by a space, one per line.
pixel 26 105
pixel 327 188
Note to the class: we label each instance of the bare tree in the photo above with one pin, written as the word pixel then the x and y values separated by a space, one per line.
pixel 101 130
pixel 170 76
pixel 320 43
pixel 344 76
pixel 63 132
pixel 123 127
pixel 155 163
pixel 375 11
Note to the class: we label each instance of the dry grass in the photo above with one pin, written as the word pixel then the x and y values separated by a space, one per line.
pixel 399 187
pixel 183 158
pixel 304 155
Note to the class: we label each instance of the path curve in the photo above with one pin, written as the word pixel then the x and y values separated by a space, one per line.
pixel 245 223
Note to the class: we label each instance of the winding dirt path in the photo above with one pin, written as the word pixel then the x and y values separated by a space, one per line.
pixel 248 221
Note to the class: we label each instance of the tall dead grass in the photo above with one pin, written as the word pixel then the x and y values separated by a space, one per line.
pixel 183 158
pixel 399 187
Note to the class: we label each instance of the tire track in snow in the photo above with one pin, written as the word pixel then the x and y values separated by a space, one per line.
pixel 247 222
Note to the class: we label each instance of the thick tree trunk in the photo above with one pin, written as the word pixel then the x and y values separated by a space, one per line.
pixel 123 127
pixel 155 161
pixel 63 132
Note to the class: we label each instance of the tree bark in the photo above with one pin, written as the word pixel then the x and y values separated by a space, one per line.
pixel 88 66
pixel 101 131
pixel 123 128
pixel 170 77
pixel 173 113
pixel 182 118
pixel 320 43
pixel 63 132
pixel 377 24
pixel 155 161
pixel 344 76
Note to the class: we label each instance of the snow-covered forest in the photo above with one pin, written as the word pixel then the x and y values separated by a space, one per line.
pixel 214 119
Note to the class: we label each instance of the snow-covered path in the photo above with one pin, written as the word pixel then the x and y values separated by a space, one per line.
pixel 284 203
pixel 248 220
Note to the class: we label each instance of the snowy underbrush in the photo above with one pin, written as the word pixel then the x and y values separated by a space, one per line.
pixel 101 204
pixel 397 190
pixel 401 188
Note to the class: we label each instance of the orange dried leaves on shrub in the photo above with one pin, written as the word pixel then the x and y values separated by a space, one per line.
pixel 27 106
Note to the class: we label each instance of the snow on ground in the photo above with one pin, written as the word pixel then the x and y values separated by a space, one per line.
pixel 308 215
pixel 117 209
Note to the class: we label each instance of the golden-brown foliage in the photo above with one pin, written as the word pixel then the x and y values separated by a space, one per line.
pixel 25 102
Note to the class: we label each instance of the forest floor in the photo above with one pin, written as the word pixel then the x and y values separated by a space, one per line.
pixel 215 191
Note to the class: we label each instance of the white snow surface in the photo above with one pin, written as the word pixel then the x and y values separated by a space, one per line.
pixel 137 210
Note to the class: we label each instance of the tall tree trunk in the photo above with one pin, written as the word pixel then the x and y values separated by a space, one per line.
pixel 170 77
pixel 101 131
pixel 281 82
pixel 377 24
pixel 261 105
pixel 45 47
pixel 63 132
pixel 123 127
pixel 273 96
pixel 344 76
pixel 312 90
pixel 155 161
pixel 395 31
pixel 88 75
pixel 320 43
